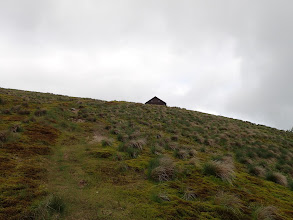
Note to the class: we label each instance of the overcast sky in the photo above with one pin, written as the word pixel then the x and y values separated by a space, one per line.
pixel 228 57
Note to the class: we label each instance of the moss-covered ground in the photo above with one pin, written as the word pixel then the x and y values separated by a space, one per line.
pixel 76 158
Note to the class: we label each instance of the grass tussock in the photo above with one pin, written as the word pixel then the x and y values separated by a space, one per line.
pixel 257 171
pixel 181 154
pixel 268 213
pixel 4 136
pixel 277 178
pixel 221 169
pixel 52 205
pixel 137 144
pixel 189 194
pixel 229 202
pixel 162 169
pixel 40 112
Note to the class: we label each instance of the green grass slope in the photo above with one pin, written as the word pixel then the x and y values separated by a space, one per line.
pixel 75 158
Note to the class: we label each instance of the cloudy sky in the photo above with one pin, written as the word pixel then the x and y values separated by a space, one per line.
pixel 228 57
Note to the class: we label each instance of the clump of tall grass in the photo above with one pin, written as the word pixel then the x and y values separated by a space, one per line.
pixel 257 171
pixel 161 169
pixel 174 138
pixel 181 154
pixel 163 196
pixel 132 152
pixel 189 194
pixel 51 205
pixel 137 144
pixel 132 148
pixel 277 178
pixel 4 136
pixel 290 183
pixel 268 212
pixel 221 169
pixel 198 138
pixel 16 108
pixel 209 142
pixel 202 149
pixel 122 166
pixel 118 156
pixel 40 112
pixel 106 143
pixel 192 152
pixel 6 111
pixel 194 161
pixel 230 202
pixel 172 146
pixel 121 138
pixel 114 131
pixel 24 112
pixel 156 149
pixel 16 128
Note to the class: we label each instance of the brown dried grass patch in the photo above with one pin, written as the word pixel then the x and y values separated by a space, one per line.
pixel 42 133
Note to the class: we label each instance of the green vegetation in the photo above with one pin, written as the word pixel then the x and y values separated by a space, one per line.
pixel 76 158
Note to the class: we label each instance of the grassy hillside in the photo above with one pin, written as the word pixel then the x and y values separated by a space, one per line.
pixel 73 158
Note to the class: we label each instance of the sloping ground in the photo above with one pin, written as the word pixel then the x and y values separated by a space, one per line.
pixel 74 158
